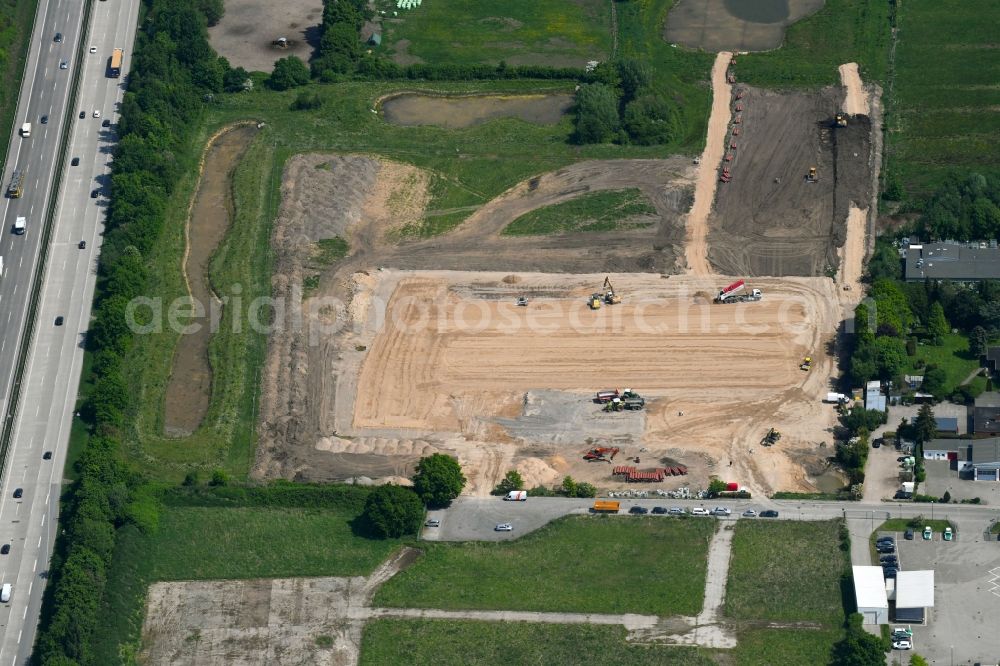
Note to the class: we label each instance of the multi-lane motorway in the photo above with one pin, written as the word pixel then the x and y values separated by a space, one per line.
pixel 52 368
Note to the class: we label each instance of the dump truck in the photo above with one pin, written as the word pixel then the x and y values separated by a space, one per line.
pixel 737 293
pixel 606 506
pixel 516 496
pixel 15 188
pixel 607 395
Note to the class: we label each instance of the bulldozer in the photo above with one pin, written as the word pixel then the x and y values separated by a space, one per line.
pixel 806 364
pixel 610 297
pixel 811 177
pixel 840 120
pixel 771 438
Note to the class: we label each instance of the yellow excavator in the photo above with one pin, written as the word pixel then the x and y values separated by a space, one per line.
pixel 806 364
pixel 841 120
pixel 610 297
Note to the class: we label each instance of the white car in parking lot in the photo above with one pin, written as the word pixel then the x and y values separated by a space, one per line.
pixel 676 511
pixel 700 511
pixel 902 644
pixel 749 513
pixel 504 527
pixel 721 511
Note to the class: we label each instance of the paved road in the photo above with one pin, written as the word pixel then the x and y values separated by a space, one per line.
pixel 52 371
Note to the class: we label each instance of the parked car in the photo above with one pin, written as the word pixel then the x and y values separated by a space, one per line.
pixel 700 511
pixel 721 511
pixel 676 511
pixel 885 539
pixel 638 510
pixel 877 442
pixel 904 644
pixel 504 527
pixel 749 513
pixel 886 549
pixel 948 535
pixel 908 534
pixel 106 122
pixel 889 559
pixel 890 572
pixel 433 522
pixel 928 533
pixel 659 510
pixel 770 513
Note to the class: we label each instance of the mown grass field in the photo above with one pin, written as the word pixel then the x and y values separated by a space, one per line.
pixel 470 643
pixel 595 211
pixel 520 32
pixel 577 564
pixel 785 571
pixel 952 355
pixel 842 31
pixel 216 542
pixel 945 104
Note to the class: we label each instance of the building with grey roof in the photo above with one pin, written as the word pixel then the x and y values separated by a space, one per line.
pixel 948 260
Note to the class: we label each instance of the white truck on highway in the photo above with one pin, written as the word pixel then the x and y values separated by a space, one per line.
pixel 517 496
pixel 26 130
pixel 737 293
pixel 5 592
pixel 20 225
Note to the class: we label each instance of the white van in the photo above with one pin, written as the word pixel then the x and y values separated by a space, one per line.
pixel 26 130
pixel 5 593
pixel 20 225
pixel 517 496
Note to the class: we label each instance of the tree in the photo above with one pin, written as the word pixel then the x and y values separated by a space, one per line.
pixel 438 480
pixel 219 478
pixel 890 356
pixel 392 511
pixel 937 325
pixel 512 481
pixel 191 478
pixel 978 342
pixel 584 489
pixel 716 486
pixel 858 647
pixel 212 9
pixel 596 114
pixel 924 426
pixel 934 380
pixel 634 76
pixel 917 660
pixel 885 262
pixel 234 80
pixel 569 486
pixel 946 498
pixel 651 120
pixel 288 73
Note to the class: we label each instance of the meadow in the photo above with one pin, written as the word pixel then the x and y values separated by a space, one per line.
pixel 595 211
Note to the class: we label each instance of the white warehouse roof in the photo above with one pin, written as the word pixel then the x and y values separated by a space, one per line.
pixel 915 589
pixel 869 587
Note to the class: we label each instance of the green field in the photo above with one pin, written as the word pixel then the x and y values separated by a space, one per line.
pixel 842 31
pixel 903 524
pixel 945 102
pixel 595 211
pixel 952 355
pixel 520 32
pixel 787 571
pixel 461 643
pixel 621 566
pixel 783 647
pixel 200 542
pixel 16 18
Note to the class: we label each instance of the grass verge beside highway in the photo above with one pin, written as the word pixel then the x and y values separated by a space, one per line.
pixel 16 19
pixel 471 643
pixel 788 571
pixel 639 565
pixel 595 211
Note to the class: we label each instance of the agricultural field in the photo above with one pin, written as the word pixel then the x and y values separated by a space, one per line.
pixel 596 211
pixel 534 573
pixel 760 586
pixel 519 32
pixel 944 103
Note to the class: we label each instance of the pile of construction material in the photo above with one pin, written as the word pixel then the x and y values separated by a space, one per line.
pixel 633 475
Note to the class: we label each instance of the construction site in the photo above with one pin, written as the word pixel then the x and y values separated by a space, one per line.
pixel 666 345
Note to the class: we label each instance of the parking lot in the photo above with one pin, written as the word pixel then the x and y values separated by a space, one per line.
pixel 962 627
pixel 941 478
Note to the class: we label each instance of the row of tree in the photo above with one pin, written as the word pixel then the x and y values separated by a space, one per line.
pixel 339 43
pixel 962 209
pixel 173 69
pixel 393 511
pixel 622 106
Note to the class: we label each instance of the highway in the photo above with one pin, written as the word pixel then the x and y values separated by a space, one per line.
pixel 55 357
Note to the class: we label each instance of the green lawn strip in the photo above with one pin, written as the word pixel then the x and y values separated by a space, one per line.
pixel 903 524
pixel 595 211
pixel 471 643
pixel 943 113
pixel 538 32
pixel 786 571
pixel 785 646
pixel 842 31
pixel 995 529
pixel 659 569
pixel 952 355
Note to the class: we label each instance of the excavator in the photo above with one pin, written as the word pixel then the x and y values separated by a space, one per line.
pixel 610 297
pixel 806 364
pixel 601 454
pixel 841 120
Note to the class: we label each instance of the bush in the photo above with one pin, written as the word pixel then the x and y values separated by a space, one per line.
pixel 438 480
pixel 288 73
pixel 393 511
pixel 306 101
pixel 512 481
pixel 596 114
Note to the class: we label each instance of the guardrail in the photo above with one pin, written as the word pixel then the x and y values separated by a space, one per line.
pixel 43 250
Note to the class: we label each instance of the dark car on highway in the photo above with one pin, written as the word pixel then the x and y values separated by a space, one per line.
pixel 44 120
pixel 638 510
pixel 59 320
pixel 18 493
pixel 75 161
pixel 83 114
pixel 770 513
pixel 47 455
pixel 5 549
pixel 58 38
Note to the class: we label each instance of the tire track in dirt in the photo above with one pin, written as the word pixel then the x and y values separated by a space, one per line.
pixel 696 252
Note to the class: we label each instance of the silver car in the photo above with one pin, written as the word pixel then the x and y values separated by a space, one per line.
pixel 504 527
pixel 749 513
pixel 433 522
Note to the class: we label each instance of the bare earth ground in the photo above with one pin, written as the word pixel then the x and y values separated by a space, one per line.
pixel 769 220
pixel 735 25
pixel 410 109
pixel 246 30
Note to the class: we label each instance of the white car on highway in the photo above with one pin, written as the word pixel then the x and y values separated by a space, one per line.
pixel 700 511
pixel 93 49
pixel 504 527
pixel 721 511
pixel 749 513
pixel 97 113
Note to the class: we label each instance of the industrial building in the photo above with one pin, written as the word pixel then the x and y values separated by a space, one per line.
pixel 914 595
pixel 948 260
pixel 874 398
pixel 870 596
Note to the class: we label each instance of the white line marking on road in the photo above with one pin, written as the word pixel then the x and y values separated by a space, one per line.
pixel 34 567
